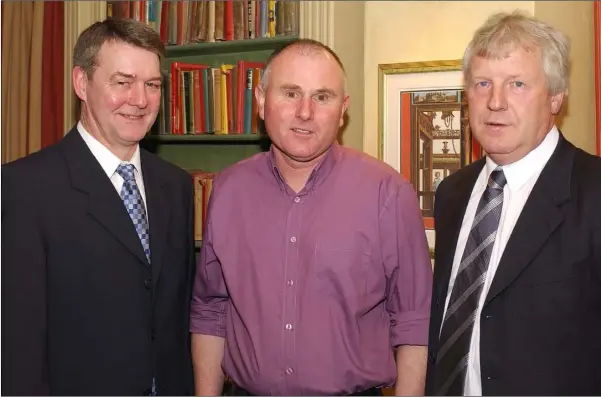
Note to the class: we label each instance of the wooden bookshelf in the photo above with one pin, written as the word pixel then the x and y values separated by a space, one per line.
pixel 227 47
pixel 201 138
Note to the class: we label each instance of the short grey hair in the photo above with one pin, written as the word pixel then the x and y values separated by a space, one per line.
pixel 504 32
pixel 305 46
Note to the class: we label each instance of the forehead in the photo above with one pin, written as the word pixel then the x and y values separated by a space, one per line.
pixel 119 56
pixel 307 66
pixel 505 60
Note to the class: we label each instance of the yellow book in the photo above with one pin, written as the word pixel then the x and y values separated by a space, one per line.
pixel 271 21
pixel 225 110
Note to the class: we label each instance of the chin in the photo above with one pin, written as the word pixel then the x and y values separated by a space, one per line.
pixel 132 135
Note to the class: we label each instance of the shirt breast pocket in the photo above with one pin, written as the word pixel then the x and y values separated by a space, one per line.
pixel 341 273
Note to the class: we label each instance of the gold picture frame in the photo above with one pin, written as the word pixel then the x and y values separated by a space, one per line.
pixel 423 126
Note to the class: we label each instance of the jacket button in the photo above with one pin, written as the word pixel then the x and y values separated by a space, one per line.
pixel 148 284
pixel 431 358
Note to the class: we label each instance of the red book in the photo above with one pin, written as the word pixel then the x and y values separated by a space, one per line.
pixel 177 126
pixel 229 20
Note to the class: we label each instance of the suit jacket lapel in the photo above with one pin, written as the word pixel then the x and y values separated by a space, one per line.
pixel 157 198
pixel 105 205
pixel 539 218
pixel 449 223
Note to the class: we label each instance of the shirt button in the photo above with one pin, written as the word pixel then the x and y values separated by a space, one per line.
pixel 290 283
pixel 288 327
pixel 297 199
pixel 293 239
pixel 289 371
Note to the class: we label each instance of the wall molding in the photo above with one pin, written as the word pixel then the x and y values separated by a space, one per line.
pixel 317 21
pixel 78 16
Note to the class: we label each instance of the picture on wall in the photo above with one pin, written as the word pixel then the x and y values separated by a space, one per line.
pixel 424 130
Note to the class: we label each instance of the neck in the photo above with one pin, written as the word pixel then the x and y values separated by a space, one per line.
pixel 123 152
pixel 295 173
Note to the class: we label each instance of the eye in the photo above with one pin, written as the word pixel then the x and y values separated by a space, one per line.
pixel 518 84
pixel 156 86
pixel 291 94
pixel 482 84
pixel 123 83
pixel 322 97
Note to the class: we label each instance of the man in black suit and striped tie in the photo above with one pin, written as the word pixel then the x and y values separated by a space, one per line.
pixel 516 305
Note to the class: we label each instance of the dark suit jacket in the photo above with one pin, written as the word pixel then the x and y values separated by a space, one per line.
pixel 541 321
pixel 82 311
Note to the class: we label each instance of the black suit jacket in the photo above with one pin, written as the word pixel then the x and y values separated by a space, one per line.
pixel 82 311
pixel 541 321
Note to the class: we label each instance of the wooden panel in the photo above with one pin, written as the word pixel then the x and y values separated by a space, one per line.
pixel 205 155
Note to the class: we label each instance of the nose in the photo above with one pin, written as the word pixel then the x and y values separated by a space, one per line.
pixel 498 98
pixel 138 95
pixel 304 110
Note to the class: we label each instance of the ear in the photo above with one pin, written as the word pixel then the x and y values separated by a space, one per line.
pixel 260 97
pixel 80 82
pixel 345 104
pixel 556 101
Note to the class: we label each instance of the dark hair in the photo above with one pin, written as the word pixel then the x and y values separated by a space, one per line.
pixel 127 31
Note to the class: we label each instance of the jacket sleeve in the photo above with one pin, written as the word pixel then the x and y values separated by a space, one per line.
pixel 24 302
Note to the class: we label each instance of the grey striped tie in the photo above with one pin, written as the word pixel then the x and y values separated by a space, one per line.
pixel 458 322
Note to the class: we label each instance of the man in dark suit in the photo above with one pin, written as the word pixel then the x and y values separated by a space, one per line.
pixel 97 239
pixel 516 307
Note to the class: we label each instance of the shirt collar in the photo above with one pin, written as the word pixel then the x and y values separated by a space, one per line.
pixel 319 173
pixel 519 172
pixel 108 161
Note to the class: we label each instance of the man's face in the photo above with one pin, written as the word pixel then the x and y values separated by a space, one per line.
pixel 304 103
pixel 510 107
pixel 122 98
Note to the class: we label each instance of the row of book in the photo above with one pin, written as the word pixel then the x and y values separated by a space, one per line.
pixel 190 21
pixel 201 99
pixel 203 184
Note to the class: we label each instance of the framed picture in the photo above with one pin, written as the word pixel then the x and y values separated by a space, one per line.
pixel 424 129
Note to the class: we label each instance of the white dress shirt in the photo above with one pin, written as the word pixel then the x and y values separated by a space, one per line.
pixel 109 163
pixel 521 177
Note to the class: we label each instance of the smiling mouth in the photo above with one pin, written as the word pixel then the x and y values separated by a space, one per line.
pixel 132 117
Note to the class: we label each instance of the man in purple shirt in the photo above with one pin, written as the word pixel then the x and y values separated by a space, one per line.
pixel 315 271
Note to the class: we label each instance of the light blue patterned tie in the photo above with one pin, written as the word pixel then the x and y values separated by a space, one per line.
pixel 130 194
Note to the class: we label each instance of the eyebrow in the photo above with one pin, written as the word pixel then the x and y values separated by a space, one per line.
pixel 131 76
pixel 297 87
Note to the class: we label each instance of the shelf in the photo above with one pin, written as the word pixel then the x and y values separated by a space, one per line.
pixel 224 47
pixel 169 138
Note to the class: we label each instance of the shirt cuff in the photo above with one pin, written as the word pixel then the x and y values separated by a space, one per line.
pixel 410 328
pixel 207 321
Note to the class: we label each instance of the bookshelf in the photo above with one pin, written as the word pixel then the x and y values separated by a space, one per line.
pixel 207 122
pixel 213 152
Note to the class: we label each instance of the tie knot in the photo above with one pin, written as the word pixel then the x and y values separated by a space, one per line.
pixel 497 179
pixel 126 171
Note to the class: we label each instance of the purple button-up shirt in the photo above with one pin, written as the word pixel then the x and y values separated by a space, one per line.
pixel 312 291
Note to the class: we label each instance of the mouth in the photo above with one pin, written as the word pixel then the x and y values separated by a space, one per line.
pixel 495 124
pixel 132 117
pixel 301 131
